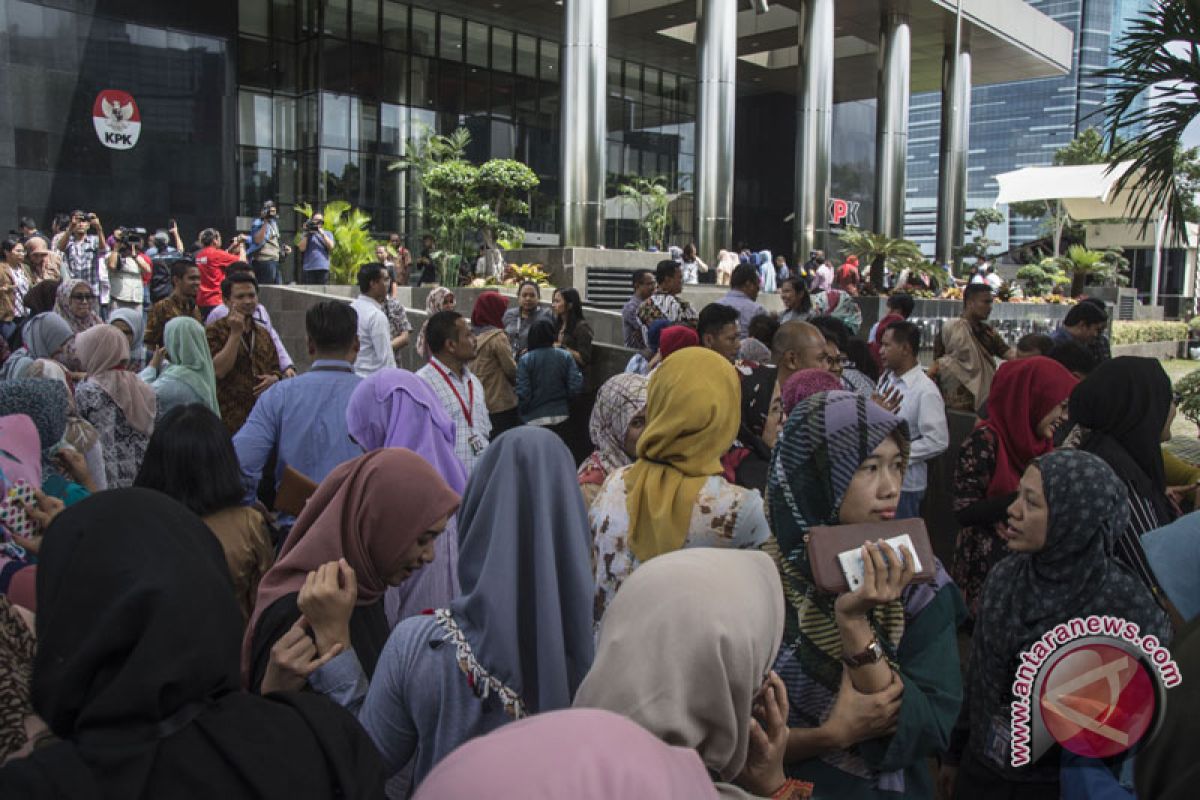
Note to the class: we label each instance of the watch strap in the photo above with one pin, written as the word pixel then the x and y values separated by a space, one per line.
pixel 871 655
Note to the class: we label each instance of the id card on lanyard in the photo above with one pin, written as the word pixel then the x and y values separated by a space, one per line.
pixel 474 440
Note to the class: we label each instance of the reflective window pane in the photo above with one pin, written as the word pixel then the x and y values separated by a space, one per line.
pixel 254 17
pixel 335 120
pixel 395 25
pixel 254 120
pixel 477 44
pixel 424 32
pixel 527 63
pixel 394 78
pixel 364 21
pixel 450 31
pixel 549 61
pixel 502 50
pixel 285 122
pixel 337 18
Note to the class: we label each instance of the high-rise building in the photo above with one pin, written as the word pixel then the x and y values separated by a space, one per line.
pixel 1018 124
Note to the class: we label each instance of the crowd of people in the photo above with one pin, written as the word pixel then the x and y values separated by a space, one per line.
pixel 223 576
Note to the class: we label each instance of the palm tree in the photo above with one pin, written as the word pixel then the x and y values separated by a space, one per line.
pixel 353 245
pixel 1081 264
pixel 880 251
pixel 1159 56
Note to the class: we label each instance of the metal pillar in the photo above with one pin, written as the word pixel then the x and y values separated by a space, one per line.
pixel 583 125
pixel 715 115
pixel 891 123
pixel 814 127
pixel 952 152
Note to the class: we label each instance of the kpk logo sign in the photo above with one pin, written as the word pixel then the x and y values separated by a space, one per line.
pixel 117 119
pixel 843 212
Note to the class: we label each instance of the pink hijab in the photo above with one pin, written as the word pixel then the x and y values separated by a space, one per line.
pixel 368 511
pixel 20 451
pixel 104 351
pixel 583 754
pixel 806 383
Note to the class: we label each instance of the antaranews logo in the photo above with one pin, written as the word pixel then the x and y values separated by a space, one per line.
pixel 1094 685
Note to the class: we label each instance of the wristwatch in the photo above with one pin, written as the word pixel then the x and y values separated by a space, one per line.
pixel 872 655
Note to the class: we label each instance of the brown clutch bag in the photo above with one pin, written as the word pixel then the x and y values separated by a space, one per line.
pixel 825 542
pixel 293 492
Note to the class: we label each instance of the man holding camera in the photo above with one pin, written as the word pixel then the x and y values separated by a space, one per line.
pixel 266 249
pixel 316 244
pixel 82 251
pixel 128 269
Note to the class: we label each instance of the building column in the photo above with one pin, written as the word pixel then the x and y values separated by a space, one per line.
pixel 584 127
pixel 891 124
pixel 814 127
pixel 715 117
pixel 952 152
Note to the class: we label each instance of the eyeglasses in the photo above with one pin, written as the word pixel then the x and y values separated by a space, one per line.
pixel 83 298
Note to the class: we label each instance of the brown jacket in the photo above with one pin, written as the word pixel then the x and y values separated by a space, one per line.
pixel 496 369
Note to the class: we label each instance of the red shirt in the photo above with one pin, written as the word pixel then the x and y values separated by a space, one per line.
pixel 212 263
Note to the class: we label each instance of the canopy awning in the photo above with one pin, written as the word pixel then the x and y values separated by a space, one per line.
pixel 1087 191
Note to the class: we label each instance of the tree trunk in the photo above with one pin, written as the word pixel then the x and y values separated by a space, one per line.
pixel 1077 281
pixel 877 274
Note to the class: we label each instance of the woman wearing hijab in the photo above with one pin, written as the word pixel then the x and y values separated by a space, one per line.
pixel 1173 553
pixel 840 460
pixel 519 319
pixel 63 470
pixel 766 271
pixel 726 263
pixel 685 650
pixel 618 419
pixel 188 376
pixel 76 303
pixel 1061 532
pixel 1125 409
pixel 641 365
pixel 581 754
pixel 395 408
pixel 1026 405
pixel 191 459
pixel 440 299
pixel 494 364
pixel 351 523
pixel 131 323
pixel 841 306
pixel 675 496
pixel 675 338
pixel 80 434
pixel 17 648
pixel 46 335
pixel 804 384
pixel 116 401
pixel 142 688
pixel 547 379
pixel 517 642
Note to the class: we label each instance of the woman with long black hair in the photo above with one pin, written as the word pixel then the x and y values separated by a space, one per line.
pixel 574 331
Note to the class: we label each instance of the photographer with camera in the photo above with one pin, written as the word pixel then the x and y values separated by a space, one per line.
pixel 316 244
pixel 128 269
pixel 163 254
pixel 213 262
pixel 266 249
pixel 83 250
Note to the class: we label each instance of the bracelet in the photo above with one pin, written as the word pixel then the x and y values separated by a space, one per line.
pixel 793 789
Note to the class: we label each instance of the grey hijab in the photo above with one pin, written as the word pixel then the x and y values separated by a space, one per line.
pixel 43 335
pixel 525 569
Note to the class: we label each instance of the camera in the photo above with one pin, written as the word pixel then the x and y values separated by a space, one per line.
pixel 130 237
pixel 269 210
pixel 311 226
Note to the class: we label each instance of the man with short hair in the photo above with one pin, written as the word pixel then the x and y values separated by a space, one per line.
pixel 181 302
pixel 742 294
pixel 28 229
pixel 821 271
pixel 461 393
pixel 374 331
pixel 83 253
pixel 900 307
pixel 664 303
pixel 965 354
pixel 162 254
pixel 1083 323
pixel 214 263
pixel 718 330
pixel 1100 347
pixel 316 244
pixel 262 317
pixel 303 420
pixel 244 357
pixel 266 249
pixel 643 287
pixel 798 345
pixel 921 406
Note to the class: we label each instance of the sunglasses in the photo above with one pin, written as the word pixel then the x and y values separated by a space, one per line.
pixel 83 298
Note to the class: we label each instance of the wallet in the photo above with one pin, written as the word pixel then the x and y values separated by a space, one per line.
pixel 825 542
pixel 294 490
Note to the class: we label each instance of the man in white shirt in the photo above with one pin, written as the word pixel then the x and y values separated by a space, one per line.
pixel 374 332
pixel 461 393
pixel 921 406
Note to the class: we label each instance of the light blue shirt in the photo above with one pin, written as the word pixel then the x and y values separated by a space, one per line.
pixel 747 309
pixel 305 418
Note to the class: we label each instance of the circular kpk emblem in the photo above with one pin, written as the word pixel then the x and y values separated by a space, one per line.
pixel 117 119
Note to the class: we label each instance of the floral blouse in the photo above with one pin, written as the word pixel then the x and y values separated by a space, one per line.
pixel 977 548
pixel 122 446
pixel 725 515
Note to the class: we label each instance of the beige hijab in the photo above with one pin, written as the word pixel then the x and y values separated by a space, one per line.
pixel 684 625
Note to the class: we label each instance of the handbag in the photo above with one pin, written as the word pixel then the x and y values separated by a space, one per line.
pixel 825 542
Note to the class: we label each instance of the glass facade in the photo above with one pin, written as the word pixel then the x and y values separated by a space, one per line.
pixel 1016 125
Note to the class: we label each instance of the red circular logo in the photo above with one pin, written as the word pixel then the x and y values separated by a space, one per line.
pixel 1097 700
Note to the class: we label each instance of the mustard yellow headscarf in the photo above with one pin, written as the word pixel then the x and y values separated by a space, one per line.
pixel 693 409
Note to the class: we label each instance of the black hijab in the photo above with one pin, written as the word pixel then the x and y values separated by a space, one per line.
pixel 542 334
pixel 137 673
pixel 1074 575
pixel 1124 404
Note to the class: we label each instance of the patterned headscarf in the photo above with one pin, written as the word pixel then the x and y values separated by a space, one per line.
pixel 80 433
pixel 45 402
pixel 806 383
pixel 17 648
pixel 433 304
pixel 62 305
pixel 825 440
pixel 1075 574
pixel 839 305
pixel 619 400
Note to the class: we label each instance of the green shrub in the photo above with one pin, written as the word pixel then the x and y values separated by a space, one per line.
pixel 1144 332
pixel 1188 389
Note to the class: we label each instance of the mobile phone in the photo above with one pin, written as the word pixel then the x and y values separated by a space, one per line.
pixel 852 560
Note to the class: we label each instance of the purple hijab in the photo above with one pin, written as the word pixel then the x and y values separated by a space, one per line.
pixel 395 408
